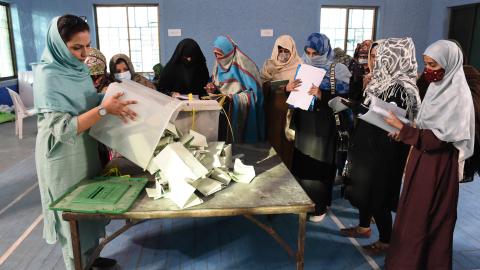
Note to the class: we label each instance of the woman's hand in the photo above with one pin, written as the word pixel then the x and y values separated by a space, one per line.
pixel 210 88
pixel 394 135
pixel 292 85
pixel 118 107
pixel 393 121
pixel 315 91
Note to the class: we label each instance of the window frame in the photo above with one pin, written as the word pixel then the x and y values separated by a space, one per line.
pixel 348 8
pixel 97 36
pixel 12 43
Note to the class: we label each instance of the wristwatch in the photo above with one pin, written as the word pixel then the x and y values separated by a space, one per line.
pixel 102 111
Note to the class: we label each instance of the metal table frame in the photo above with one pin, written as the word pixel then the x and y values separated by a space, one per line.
pixel 132 219
pixel 261 197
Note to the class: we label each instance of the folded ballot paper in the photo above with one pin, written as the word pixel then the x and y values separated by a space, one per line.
pixel 186 163
pixel 380 109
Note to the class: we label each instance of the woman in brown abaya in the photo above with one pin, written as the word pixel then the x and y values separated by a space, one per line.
pixel 443 137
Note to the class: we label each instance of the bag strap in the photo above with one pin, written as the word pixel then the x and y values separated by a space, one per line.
pixel 333 86
pixel 332 79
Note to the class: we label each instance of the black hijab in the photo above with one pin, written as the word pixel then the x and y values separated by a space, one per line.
pixel 182 76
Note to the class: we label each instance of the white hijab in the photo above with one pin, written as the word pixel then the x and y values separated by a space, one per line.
pixel 447 109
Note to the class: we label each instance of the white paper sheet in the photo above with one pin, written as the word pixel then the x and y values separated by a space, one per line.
pixel 157 192
pixel 182 193
pixel 378 110
pixel 198 139
pixel 337 105
pixel 207 186
pixel 221 176
pixel 137 139
pixel 242 173
pixel 177 163
pixel 226 157
pixel 309 75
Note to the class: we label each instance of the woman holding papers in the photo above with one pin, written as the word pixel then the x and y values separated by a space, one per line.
pixel 278 71
pixel 443 137
pixel 315 130
pixel 236 77
pixel 377 161
pixel 186 72
pixel 68 105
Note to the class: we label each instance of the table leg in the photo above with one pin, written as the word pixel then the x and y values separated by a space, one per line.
pixel 302 219
pixel 77 254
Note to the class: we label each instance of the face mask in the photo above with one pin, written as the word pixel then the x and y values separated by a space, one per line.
pixel 316 61
pixel 433 75
pixel 362 61
pixel 283 57
pixel 123 76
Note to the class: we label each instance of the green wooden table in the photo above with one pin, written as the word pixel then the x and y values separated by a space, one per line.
pixel 273 191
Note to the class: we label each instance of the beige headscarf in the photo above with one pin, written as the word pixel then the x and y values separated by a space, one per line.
pixel 274 70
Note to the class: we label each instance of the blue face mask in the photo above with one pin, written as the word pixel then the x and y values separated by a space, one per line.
pixel 316 61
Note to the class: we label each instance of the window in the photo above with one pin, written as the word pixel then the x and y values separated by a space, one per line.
pixel 7 52
pixel 131 30
pixel 347 26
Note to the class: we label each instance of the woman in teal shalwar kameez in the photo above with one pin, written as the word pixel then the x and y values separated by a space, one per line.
pixel 68 105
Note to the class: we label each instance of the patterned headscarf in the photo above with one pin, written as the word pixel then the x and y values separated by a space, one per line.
pixel 320 43
pixel 395 64
pixel 96 62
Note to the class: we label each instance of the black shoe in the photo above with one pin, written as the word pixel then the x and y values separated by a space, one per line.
pixel 104 263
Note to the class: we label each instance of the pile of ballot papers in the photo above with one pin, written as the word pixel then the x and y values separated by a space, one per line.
pixel 185 163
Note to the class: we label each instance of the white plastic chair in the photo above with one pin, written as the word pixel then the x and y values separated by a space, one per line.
pixel 21 112
pixel 25 87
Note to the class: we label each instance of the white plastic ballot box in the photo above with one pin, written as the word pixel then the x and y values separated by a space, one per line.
pixel 201 116
pixel 137 140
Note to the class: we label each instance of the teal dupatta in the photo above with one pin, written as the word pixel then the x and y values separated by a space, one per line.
pixel 62 82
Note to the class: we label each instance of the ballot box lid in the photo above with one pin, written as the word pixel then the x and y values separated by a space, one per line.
pixel 106 195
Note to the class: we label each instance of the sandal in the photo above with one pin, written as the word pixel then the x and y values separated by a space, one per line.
pixel 377 248
pixel 355 232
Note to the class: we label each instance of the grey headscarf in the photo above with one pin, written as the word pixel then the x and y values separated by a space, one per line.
pixel 395 64
pixel 447 108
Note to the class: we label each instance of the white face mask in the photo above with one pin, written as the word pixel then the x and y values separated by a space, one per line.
pixel 283 57
pixel 123 76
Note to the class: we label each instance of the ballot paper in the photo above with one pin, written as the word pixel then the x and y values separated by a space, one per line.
pixel 309 75
pixel 226 157
pixel 221 176
pixel 157 192
pixel 172 130
pixel 337 105
pixel 177 163
pixel 198 139
pixel 182 194
pixel 242 173
pixel 137 140
pixel 207 186
pixel 215 148
pixel 380 109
